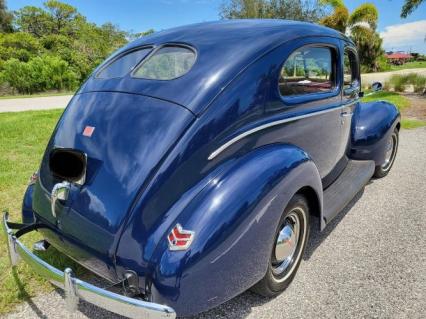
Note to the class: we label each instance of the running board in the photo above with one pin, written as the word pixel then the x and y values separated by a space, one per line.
pixel 355 176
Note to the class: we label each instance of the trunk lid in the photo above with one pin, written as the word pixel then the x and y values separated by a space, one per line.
pixel 131 136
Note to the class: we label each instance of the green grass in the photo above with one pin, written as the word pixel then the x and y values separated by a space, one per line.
pixel 409 65
pixel 21 96
pixel 23 138
pixel 400 101
pixel 412 123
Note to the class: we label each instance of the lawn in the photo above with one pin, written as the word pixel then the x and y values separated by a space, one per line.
pixel 23 139
pixel 409 65
pixel 401 103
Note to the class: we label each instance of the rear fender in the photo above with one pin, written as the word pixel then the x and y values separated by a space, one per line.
pixel 371 128
pixel 234 219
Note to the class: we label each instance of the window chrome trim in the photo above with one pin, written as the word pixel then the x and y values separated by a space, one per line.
pixel 271 124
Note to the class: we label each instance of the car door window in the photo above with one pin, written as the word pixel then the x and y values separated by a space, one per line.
pixel 308 70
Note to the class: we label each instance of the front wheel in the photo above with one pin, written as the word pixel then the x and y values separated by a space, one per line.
pixel 290 241
pixel 391 150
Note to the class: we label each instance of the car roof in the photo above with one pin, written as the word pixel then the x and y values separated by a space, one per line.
pixel 224 48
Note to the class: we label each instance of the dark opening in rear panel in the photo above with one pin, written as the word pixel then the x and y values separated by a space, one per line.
pixel 68 164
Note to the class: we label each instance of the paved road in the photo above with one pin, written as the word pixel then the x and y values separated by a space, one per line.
pixel 368 263
pixel 34 103
pixel 369 78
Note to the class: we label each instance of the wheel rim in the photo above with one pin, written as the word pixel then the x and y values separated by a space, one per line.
pixel 287 243
pixel 390 152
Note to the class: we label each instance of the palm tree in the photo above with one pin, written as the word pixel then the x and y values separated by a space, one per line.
pixel 362 19
pixel 361 26
pixel 409 7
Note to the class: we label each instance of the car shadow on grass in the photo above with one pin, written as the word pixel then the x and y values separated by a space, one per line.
pixel 23 294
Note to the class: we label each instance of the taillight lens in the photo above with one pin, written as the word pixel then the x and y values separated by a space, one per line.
pixel 179 238
pixel 33 178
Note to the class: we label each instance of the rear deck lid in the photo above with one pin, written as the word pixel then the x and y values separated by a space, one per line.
pixel 125 137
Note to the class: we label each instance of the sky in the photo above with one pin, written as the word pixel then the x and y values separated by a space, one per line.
pixel 140 15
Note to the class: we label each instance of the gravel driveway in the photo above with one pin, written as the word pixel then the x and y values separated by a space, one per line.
pixel 369 78
pixel 368 263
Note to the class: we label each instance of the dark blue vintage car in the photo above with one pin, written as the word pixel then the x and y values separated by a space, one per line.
pixel 189 165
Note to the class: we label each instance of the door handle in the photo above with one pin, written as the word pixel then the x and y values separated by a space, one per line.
pixel 346 114
pixel 59 192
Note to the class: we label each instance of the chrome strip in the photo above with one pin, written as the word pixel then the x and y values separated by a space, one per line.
pixel 268 125
pixel 76 289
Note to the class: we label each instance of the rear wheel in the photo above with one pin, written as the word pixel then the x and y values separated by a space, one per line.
pixel 391 150
pixel 290 241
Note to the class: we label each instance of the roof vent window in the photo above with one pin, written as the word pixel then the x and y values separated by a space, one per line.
pixel 123 64
pixel 169 62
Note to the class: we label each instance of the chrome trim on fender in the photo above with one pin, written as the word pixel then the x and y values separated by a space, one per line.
pixel 76 289
pixel 271 124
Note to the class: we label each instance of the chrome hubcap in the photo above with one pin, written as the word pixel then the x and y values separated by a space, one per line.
pixel 286 244
pixel 390 152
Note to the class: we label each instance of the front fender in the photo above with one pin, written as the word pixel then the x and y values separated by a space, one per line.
pixel 371 127
pixel 234 219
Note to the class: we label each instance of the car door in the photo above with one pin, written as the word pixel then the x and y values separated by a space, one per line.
pixel 307 95
pixel 350 94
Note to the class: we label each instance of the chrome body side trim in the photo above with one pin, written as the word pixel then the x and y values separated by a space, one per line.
pixel 76 289
pixel 271 124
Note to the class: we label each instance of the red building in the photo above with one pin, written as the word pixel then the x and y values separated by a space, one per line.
pixel 398 58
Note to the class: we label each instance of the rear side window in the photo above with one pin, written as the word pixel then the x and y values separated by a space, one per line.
pixel 308 70
pixel 167 63
pixel 123 65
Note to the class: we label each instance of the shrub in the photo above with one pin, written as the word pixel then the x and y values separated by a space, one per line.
pixel 39 74
pixel 398 82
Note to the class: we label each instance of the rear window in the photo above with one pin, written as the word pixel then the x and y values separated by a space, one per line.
pixel 308 70
pixel 123 65
pixel 167 63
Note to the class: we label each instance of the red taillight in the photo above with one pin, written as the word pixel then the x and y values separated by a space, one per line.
pixel 180 239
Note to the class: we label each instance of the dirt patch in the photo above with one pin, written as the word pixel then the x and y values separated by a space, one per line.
pixel 417 107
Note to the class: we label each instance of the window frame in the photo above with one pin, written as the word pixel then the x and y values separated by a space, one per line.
pixel 155 50
pixel 119 56
pixel 355 71
pixel 303 98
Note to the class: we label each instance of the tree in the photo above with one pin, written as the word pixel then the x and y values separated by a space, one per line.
pixel 56 36
pixel 361 19
pixel 33 20
pixel 63 16
pixel 361 26
pixel 409 6
pixel 5 18
pixel 302 10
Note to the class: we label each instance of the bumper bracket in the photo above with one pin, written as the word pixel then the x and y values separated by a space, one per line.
pixel 76 289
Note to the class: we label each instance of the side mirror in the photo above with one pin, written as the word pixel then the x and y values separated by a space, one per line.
pixel 376 87
pixel 353 90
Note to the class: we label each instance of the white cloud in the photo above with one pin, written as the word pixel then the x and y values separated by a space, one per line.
pixel 404 36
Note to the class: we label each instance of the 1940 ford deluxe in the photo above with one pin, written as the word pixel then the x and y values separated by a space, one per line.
pixel 189 165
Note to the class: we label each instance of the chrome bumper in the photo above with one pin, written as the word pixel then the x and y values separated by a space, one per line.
pixel 76 289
